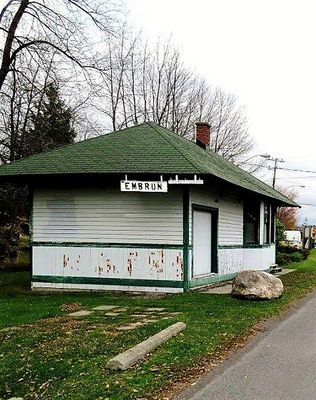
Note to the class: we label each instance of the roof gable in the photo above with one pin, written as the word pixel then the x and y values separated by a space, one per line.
pixel 145 148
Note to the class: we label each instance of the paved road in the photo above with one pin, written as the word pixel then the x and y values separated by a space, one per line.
pixel 279 365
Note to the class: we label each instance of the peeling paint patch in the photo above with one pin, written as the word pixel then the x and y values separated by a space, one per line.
pixel 129 266
pixel 64 261
pixel 162 264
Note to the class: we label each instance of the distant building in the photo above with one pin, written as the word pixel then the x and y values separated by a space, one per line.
pixel 308 236
pixel 293 238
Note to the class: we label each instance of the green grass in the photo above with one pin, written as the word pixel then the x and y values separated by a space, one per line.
pixel 46 355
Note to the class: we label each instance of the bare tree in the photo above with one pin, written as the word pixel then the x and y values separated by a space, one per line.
pixel 37 38
pixel 115 91
pixel 144 83
pixel 128 81
pixel 21 97
pixel 230 136
pixel 21 100
pixel 64 26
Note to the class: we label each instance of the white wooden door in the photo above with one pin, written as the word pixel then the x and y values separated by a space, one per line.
pixel 202 242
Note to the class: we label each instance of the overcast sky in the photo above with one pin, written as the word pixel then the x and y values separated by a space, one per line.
pixel 264 53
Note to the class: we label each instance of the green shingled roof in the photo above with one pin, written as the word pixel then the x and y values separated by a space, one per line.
pixel 145 148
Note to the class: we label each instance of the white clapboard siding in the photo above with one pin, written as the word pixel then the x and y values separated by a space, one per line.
pixel 230 214
pixel 107 216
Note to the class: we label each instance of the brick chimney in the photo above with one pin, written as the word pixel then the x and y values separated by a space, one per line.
pixel 203 134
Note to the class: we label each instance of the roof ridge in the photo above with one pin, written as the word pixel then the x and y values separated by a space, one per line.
pixel 210 153
pixel 172 144
pixel 233 167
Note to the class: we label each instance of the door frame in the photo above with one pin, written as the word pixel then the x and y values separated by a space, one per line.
pixel 214 237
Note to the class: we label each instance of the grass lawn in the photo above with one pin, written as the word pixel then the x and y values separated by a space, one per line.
pixel 46 355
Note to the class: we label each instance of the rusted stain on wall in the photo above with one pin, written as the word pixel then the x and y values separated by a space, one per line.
pixel 72 262
pixel 129 266
pixel 132 260
pixel 99 270
pixel 105 267
pixel 178 265
pixel 156 261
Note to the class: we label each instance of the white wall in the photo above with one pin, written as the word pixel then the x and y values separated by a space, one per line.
pixel 230 261
pixel 259 258
pixel 235 260
pixel 230 232
pixel 107 215
pixel 122 263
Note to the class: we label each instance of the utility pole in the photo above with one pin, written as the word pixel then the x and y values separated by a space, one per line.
pixel 276 160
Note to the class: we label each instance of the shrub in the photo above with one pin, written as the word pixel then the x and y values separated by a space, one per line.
pixel 287 249
pixel 286 258
pixel 280 228
pixel 282 258
pixel 305 253
pixel 296 257
pixel 9 241
pixel 14 247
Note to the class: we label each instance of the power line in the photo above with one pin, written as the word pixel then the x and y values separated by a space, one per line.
pixel 282 168
pixel 298 170
pixel 296 177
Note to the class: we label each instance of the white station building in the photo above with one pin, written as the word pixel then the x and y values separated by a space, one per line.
pixel 143 209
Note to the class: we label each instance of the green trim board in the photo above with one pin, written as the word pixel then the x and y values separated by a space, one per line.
pixel 30 214
pixel 257 246
pixel 186 237
pixel 30 222
pixel 207 280
pixel 245 246
pixel 106 281
pixel 114 245
pixel 144 245
pixel 230 246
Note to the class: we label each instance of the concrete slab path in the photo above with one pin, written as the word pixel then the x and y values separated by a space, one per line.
pixel 104 308
pixel 279 364
pixel 82 313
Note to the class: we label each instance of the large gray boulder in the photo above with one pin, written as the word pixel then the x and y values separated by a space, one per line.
pixel 257 285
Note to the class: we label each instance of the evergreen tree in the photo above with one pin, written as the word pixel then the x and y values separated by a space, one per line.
pixel 51 124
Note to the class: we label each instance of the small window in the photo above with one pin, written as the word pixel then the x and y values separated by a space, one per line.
pixel 266 223
pixel 251 222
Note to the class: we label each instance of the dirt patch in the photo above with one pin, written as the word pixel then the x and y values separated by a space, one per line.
pixel 71 307
pixel 59 324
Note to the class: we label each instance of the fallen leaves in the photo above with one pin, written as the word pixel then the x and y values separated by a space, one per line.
pixel 69 307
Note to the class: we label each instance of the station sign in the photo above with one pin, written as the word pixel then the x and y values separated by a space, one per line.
pixel 144 186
